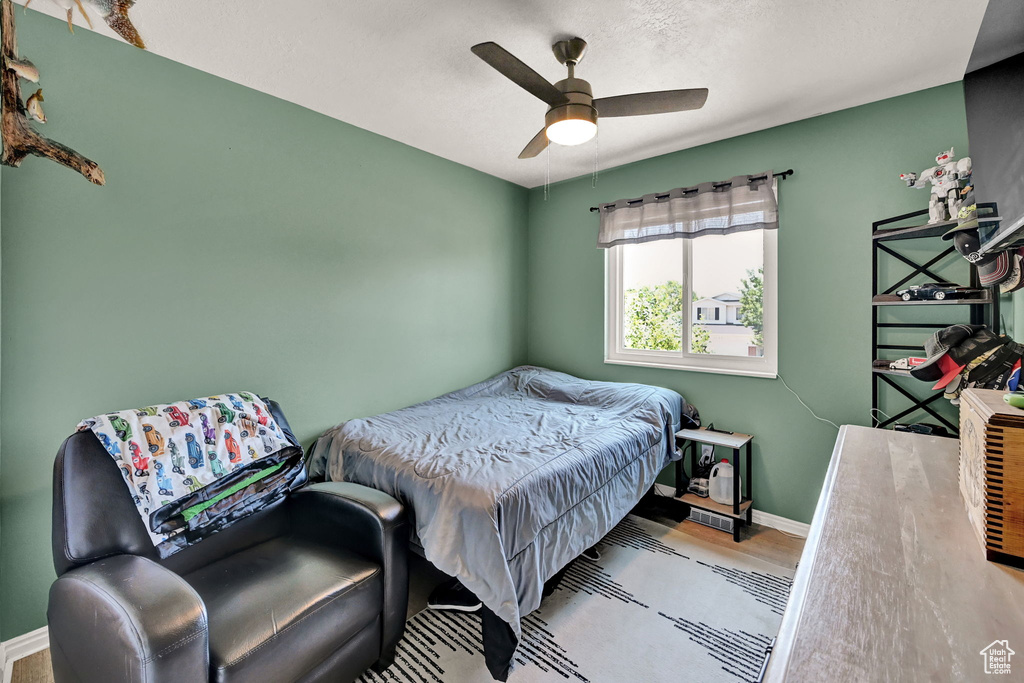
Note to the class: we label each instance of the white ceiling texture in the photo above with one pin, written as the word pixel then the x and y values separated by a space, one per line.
pixel 403 68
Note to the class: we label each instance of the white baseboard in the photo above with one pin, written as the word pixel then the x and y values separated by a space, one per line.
pixel 22 646
pixel 789 526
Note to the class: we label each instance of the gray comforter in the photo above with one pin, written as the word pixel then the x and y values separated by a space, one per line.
pixel 510 479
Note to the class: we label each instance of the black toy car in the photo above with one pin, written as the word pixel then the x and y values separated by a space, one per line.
pixel 935 290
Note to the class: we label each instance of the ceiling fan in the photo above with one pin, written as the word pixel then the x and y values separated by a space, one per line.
pixel 572 113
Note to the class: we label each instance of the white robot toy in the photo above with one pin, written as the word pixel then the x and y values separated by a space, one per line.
pixel 945 179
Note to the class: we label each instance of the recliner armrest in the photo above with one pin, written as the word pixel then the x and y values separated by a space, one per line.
pixel 350 514
pixel 369 522
pixel 127 618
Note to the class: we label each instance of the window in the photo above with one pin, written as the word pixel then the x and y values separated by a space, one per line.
pixel 704 313
pixel 708 303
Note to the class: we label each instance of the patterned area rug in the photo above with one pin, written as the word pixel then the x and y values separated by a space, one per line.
pixel 658 605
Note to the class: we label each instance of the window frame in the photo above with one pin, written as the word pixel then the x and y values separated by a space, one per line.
pixel 616 353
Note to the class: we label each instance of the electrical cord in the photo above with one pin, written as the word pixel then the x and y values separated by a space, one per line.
pixel 786 533
pixel 880 412
pixel 813 414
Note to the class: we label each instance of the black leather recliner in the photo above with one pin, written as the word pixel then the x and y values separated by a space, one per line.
pixel 312 588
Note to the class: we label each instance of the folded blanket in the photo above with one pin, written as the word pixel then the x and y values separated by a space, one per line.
pixel 180 460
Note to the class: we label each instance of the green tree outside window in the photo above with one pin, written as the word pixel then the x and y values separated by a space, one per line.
pixel 654 318
pixel 752 303
pixel 700 339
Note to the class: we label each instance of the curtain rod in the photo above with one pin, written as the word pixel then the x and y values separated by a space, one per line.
pixel 782 176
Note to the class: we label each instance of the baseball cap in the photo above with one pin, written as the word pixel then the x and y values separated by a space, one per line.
pixel 1015 280
pixel 992 268
pixel 967 216
pixel 950 349
pixel 995 371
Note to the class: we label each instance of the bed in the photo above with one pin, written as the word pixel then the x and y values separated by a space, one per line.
pixel 511 479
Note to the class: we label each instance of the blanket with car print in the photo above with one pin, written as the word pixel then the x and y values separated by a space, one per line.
pixel 192 466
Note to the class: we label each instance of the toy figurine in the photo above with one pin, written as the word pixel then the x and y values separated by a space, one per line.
pixel 945 179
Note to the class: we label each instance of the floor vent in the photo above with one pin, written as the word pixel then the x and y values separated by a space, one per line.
pixel 711 519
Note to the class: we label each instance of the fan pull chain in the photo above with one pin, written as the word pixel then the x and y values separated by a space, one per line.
pixel 547 171
pixel 597 157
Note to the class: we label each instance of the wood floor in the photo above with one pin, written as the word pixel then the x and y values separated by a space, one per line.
pixel 764 543
pixel 33 669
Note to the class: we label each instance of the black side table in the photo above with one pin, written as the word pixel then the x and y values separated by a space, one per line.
pixel 740 510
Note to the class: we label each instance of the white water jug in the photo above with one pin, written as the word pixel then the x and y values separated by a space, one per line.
pixel 720 483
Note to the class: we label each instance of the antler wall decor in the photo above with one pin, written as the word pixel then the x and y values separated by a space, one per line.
pixel 19 138
pixel 114 12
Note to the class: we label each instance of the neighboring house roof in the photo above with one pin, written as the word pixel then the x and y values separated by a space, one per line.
pixel 730 297
pixel 721 299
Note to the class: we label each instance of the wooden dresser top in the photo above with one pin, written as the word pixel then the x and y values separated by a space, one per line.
pixel 893 584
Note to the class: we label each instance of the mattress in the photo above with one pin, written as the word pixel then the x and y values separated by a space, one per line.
pixel 509 480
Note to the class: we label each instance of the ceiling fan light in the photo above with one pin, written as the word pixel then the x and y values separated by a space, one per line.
pixel 571 131
pixel 571 124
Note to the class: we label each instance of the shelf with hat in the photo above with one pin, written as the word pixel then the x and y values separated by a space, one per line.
pixel 957 358
pixel 953 344
pixel 1008 238
pixel 986 217
pixel 886 370
pixel 969 356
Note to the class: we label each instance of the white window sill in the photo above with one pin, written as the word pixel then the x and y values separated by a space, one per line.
pixel 765 374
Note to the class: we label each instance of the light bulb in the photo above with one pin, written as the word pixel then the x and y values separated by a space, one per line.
pixel 571 131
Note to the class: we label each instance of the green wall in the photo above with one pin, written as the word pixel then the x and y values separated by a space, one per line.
pixel 245 242
pixel 847 166
pixel 241 242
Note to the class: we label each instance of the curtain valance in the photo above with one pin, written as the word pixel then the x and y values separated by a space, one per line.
pixel 746 202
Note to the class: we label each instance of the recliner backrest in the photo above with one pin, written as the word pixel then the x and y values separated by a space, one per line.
pixel 94 515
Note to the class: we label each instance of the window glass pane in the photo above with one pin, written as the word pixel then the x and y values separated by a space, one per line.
pixel 728 294
pixel 652 293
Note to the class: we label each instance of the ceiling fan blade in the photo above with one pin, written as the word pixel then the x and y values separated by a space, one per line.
pixel 641 103
pixel 519 73
pixel 536 145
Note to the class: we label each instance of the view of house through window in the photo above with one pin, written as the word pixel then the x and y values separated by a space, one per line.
pixel 723 277
pixel 727 283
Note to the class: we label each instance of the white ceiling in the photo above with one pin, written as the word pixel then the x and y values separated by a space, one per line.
pixel 403 69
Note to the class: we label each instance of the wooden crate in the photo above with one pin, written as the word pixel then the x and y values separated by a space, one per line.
pixel 992 472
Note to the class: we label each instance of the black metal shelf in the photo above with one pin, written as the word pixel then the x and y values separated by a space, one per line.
pixel 890 371
pixel 986 216
pixel 931 302
pixel 980 310
pixel 1007 237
